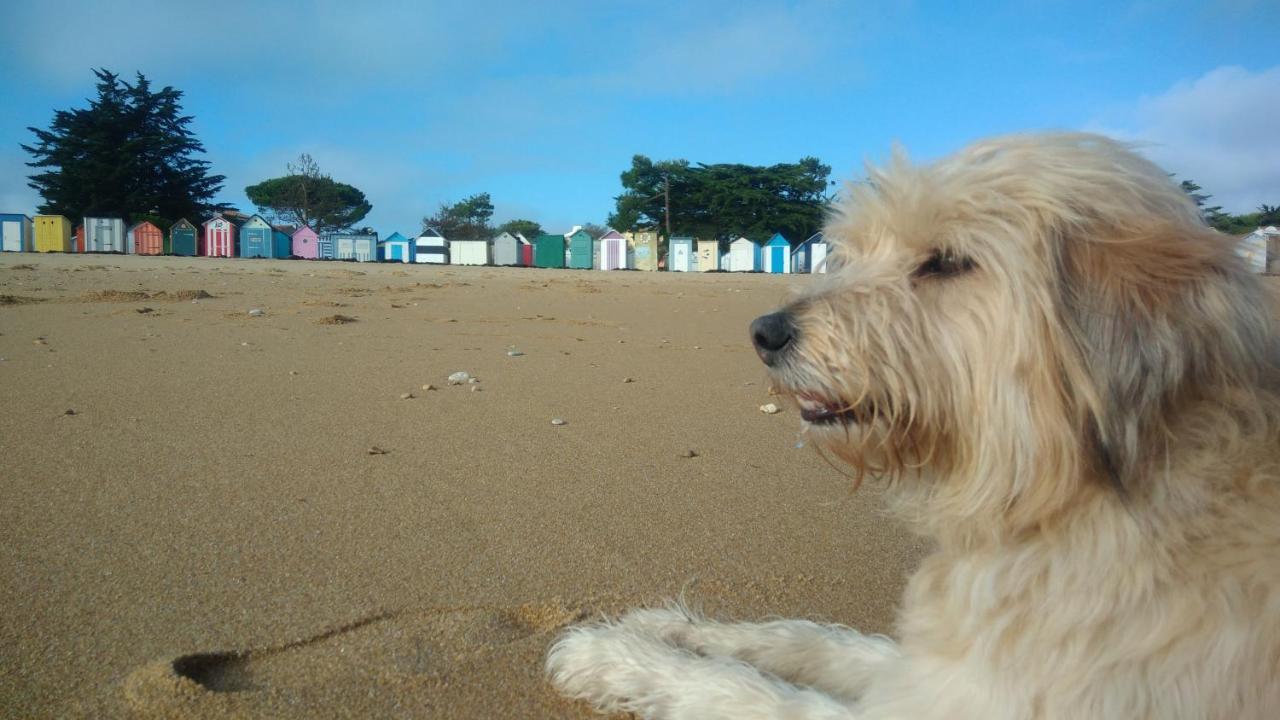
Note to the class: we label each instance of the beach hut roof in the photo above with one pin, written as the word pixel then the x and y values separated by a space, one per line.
pixel 430 232
pixel 778 240
pixel 218 216
pixel 185 222
pixel 395 235
pixel 814 238
pixel 611 234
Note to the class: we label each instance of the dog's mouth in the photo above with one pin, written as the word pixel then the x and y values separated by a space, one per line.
pixel 823 411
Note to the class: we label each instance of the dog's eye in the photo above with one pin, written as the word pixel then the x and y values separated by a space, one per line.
pixel 943 263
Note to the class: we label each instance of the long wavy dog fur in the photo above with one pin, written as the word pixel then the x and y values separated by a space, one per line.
pixel 1070 383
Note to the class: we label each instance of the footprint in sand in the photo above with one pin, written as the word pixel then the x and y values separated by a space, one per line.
pixel 387 663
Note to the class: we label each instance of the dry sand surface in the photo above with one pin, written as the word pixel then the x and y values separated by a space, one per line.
pixel 193 524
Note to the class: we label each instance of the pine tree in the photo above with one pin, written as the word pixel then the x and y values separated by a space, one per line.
pixel 130 154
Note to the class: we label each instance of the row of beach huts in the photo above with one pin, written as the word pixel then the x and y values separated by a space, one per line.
pixel 252 236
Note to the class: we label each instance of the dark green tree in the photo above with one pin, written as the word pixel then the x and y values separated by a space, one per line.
pixel 528 228
pixel 130 154
pixel 307 196
pixel 724 200
pixel 467 219
pixel 647 189
pixel 595 230
pixel 1268 214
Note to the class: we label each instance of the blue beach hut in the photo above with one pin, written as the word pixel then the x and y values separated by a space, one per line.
pixel 255 238
pixel 396 248
pixel 777 255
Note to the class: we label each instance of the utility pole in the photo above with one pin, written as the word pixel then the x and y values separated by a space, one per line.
pixel 666 199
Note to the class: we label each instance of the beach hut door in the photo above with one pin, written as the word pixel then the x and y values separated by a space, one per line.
pixel 682 257
pixel 612 261
pixel 779 260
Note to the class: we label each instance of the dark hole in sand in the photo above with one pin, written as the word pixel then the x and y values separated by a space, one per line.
pixel 219 672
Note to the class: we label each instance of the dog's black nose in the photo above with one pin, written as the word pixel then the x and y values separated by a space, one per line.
pixel 772 334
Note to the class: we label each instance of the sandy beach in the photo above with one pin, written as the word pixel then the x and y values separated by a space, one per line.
pixel 209 514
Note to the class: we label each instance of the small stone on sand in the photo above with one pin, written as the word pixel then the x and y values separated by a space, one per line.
pixel 691 453
pixel 375 450
pixel 770 409
pixel 514 353
pixel 428 386
pixel 69 412
pixel 459 377
pixel 406 396
pixel 628 380
pixel 558 422
pixel 257 312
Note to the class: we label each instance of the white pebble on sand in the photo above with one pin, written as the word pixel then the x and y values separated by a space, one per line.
pixel 558 422
pixel 459 378
pixel 770 409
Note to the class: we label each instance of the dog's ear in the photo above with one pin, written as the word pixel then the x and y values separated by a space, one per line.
pixel 1158 317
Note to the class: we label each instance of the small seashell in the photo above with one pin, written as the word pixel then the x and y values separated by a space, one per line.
pixel 770 409
pixel 474 381
pixel 558 422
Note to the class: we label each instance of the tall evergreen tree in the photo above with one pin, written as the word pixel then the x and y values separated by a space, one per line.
pixel 130 154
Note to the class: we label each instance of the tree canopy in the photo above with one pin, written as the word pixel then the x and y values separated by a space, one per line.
pixel 1226 222
pixel 307 196
pixel 724 200
pixel 467 219
pixel 130 154
pixel 528 228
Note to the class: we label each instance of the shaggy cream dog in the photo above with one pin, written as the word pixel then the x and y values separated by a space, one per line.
pixel 1070 384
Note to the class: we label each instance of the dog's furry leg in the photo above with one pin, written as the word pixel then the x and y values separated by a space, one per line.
pixel 834 659
pixel 618 669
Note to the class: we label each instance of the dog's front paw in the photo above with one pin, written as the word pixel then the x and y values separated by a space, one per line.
pixel 613 667
pixel 580 664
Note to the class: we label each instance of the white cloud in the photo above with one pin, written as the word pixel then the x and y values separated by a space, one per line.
pixel 1218 130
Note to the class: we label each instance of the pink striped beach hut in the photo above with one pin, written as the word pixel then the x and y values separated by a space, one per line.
pixel 306 243
pixel 219 237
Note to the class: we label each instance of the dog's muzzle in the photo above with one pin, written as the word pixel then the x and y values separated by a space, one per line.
pixel 772 334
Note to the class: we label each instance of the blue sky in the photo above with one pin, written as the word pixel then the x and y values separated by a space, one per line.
pixel 543 104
